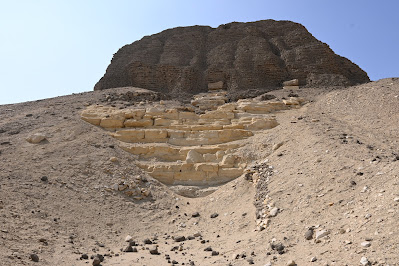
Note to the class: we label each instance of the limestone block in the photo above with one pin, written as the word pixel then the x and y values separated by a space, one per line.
pixel 135 149
pixel 291 87
pixel 92 120
pixel 234 126
pixel 262 123
pixel 204 121
pixel 133 113
pixel 207 102
pixel 207 167
pixel 188 115
pixel 159 150
pixel 162 122
pixel 291 101
pixel 228 161
pixel 189 142
pixel 154 111
pixel 171 114
pixel 175 134
pixel 164 177
pixel 292 82
pixel 190 176
pixel 240 115
pixel 227 107
pixel 194 157
pixel 261 107
pixel 211 176
pixel 145 166
pixel 138 123
pixel 220 154
pixel 129 135
pixel 215 85
pixel 156 134
pixel 206 127
pixel 224 114
pixel 208 157
pixel 234 134
pixel 210 148
pixel 230 172
pixel 93 114
pixel 112 122
pixel 147 116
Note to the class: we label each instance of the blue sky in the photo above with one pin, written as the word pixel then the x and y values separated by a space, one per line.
pixel 50 48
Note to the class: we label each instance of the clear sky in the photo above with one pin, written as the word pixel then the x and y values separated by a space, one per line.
pixel 50 48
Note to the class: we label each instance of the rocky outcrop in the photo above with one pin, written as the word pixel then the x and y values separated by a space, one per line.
pixel 242 56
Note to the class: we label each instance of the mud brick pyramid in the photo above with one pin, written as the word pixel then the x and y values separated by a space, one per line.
pixel 243 56
pixel 180 147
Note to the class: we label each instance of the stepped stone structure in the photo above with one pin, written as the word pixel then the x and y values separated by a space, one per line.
pixel 178 146
pixel 241 56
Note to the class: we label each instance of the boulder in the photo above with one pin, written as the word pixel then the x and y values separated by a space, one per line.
pixel 36 138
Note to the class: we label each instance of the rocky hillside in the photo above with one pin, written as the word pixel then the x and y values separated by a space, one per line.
pixel 319 188
pixel 244 56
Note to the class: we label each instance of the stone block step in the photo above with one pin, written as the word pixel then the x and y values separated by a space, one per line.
pixel 180 173
pixel 180 137
pixel 167 152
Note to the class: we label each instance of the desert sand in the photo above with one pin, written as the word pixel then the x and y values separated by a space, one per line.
pixel 327 180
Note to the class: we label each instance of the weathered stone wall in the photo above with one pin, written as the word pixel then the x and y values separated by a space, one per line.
pixel 181 147
pixel 244 56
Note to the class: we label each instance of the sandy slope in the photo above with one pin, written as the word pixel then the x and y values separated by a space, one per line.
pixel 337 170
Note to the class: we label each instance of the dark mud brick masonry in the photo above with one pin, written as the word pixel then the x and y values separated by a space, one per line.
pixel 244 56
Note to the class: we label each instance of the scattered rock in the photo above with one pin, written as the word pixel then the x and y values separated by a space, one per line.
pixel 147 241
pixel 321 233
pixel 179 238
pixel 208 249
pixel 313 259
pixel 128 249
pixel 309 234
pixel 195 214
pixel 276 146
pixel 113 159
pixel 96 261
pixel 154 251
pixel 84 257
pixel 34 257
pixel 291 263
pixel 214 215
pixel 36 138
pixel 215 253
pixel 366 244
pixel 250 261
pixel 364 261
pixel 44 178
pixel 278 247
pixel 128 238
pixel 273 212
pixel 198 234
